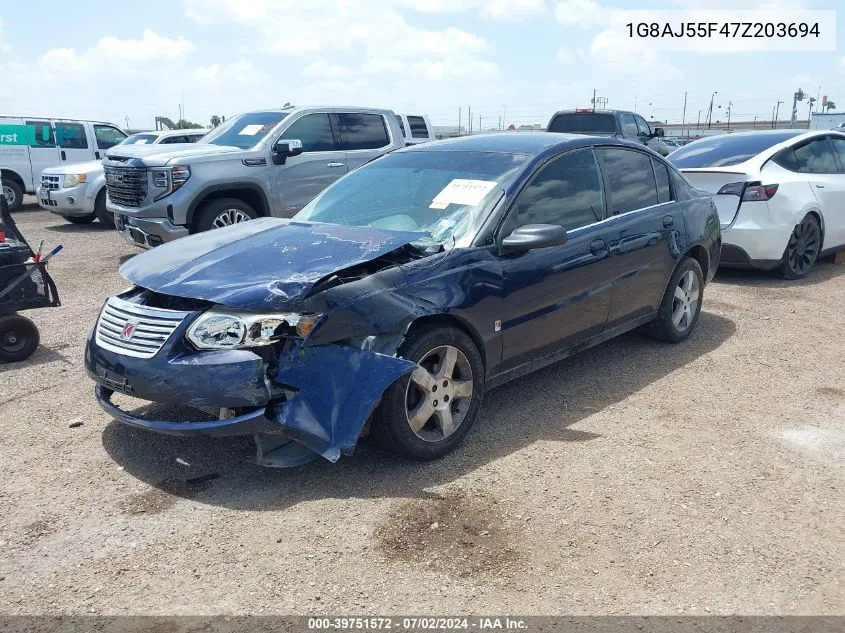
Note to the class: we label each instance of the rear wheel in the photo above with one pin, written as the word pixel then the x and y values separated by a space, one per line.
pixel 681 304
pixel 103 215
pixel 216 214
pixel 13 193
pixel 19 338
pixel 425 414
pixel 802 250
pixel 81 219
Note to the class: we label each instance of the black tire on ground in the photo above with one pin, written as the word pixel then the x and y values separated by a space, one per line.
pixel 682 300
pixel 19 338
pixel 14 194
pixel 802 250
pixel 81 219
pixel 103 215
pixel 391 420
pixel 221 212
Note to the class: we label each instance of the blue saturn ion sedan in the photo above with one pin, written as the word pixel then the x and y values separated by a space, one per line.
pixel 398 296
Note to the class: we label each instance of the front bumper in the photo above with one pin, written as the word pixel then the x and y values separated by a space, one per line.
pixel 69 202
pixel 319 396
pixel 148 232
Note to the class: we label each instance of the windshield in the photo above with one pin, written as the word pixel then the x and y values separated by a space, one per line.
pixel 244 131
pixel 139 139
pixel 584 123
pixel 726 149
pixel 445 195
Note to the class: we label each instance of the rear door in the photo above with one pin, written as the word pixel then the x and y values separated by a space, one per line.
pixel 321 162
pixel 835 218
pixel 363 136
pixel 43 153
pixel 73 141
pixel 819 162
pixel 643 231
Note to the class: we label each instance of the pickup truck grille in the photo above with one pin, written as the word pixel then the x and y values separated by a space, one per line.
pixel 126 186
pixel 51 182
pixel 135 330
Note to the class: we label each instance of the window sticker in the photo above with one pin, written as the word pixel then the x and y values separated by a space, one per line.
pixel 251 130
pixel 461 191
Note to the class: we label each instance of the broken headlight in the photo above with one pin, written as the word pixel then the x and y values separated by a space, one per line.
pixel 220 328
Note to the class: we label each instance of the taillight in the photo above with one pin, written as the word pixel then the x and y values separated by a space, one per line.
pixel 750 192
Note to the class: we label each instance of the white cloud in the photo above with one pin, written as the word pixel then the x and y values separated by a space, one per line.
pixel 113 53
pixel 451 68
pixel 620 55
pixel 582 13
pixel 565 56
pixel 513 9
pixel 236 73
pixel 324 70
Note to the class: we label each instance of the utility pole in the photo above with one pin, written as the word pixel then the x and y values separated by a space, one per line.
pixel 684 116
pixel 777 112
pixel 730 103
pixel 479 124
pixel 698 125
pixel 710 110
pixel 594 99
pixel 810 111
pixel 469 119
pixel 126 118
pixel 459 121
pixel 798 96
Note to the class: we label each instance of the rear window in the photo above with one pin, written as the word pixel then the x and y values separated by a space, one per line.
pixel 140 139
pixel 727 149
pixel 583 123
pixel 418 127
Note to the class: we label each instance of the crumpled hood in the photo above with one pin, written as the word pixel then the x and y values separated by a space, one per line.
pixel 264 264
pixel 76 168
pixel 161 154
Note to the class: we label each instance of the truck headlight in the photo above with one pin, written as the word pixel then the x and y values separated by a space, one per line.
pixel 220 328
pixel 169 179
pixel 71 180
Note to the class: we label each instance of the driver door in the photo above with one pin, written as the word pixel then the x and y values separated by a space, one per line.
pixel 559 296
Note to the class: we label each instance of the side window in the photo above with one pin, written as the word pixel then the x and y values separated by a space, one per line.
pixel 401 125
pixel 170 140
pixel 71 136
pixel 786 159
pixel 362 131
pixel 418 127
pixel 567 192
pixel 661 173
pixel 44 134
pixel 629 126
pixel 107 136
pixel 315 132
pixel 193 138
pixel 630 179
pixel 816 157
pixel 642 126
pixel 839 146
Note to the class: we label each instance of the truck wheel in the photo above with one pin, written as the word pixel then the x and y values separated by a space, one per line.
pixel 18 338
pixel 14 194
pixel 103 215
pixel 81 219
pixel 216 214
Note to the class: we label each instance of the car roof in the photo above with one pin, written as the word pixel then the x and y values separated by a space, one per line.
pixel 166 133
pixel 530 143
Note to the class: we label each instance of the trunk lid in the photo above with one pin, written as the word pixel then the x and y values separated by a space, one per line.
pixel 712 179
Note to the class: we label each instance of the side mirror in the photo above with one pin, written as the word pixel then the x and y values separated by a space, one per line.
pixel 531 236
pixel 659 132
pixel 284 149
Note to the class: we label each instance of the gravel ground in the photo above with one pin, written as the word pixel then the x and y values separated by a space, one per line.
pixel 637 477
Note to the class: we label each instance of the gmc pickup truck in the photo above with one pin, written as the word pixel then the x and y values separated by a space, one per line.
pixel 616 123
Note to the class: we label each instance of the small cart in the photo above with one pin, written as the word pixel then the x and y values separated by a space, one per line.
pixel 24 285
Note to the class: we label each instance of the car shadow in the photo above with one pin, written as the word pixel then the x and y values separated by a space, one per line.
pixel 41 356
pixel 69 227
pixel 541 406
pixel 824 270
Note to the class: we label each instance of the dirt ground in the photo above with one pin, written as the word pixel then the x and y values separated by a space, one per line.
pixel 636 477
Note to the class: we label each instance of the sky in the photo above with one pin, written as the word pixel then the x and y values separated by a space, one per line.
pixel 511 60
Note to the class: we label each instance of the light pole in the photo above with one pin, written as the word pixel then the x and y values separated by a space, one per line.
pixel 777 112
pixel 730 103
pixel 710 110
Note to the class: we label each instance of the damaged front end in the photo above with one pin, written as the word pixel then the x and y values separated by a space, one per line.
pixel 296 365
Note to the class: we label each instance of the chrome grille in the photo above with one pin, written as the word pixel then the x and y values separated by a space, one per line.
pixel 51 182
pixel 152 328
pixel 126 186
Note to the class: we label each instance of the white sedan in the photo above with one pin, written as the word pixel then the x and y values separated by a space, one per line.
pixel 780 195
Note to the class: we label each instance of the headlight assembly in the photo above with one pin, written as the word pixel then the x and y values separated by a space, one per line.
pixel 169 179
pixel 71 180
pixel 220 328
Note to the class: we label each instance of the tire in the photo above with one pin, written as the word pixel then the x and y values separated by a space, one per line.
pixel 81 219
pixel 222 212
pixel 802 250
pixel 681 304
pixel 432 438
pixel 103 215
pixel 14 194
pixel 19 338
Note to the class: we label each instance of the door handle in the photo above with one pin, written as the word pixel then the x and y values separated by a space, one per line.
pixel 819 186
pixel 63 155
pixel 96 154
pixel 334 164
pixel 668 221
pixel 597 246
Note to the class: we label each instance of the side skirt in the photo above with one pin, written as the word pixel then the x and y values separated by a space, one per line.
pixel 554 357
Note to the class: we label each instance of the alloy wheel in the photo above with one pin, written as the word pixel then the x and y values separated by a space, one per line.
pixel 229 217
pixel 11 198
pixel 439 393
pixel 803 248
pixel 685 301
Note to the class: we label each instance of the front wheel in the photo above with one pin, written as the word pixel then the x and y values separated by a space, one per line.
pixel 216 214
pixel 802 250
pixel 13 193
pixel 425 414
pixel 19 338
pixel 681 303
pixel 103 215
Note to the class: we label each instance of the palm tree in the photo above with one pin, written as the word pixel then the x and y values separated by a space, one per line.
pixel 830 105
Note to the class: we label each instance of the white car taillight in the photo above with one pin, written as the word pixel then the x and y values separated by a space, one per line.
pixel 749 192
